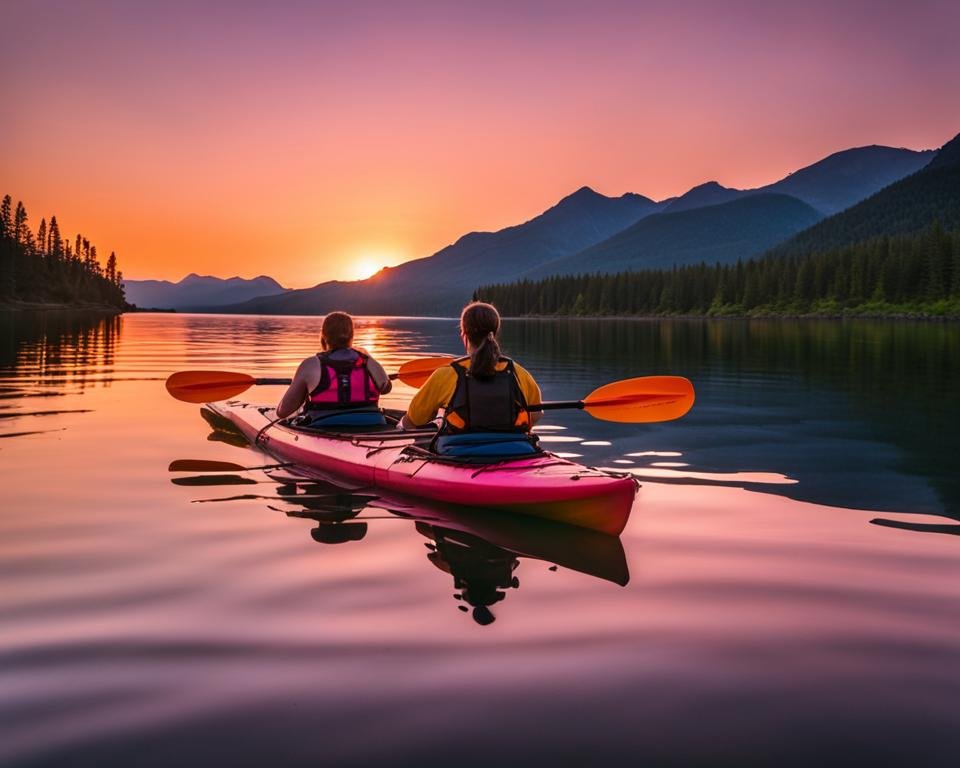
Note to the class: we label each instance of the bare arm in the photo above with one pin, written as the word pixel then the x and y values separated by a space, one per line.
pixel 379 375
pixel 296 394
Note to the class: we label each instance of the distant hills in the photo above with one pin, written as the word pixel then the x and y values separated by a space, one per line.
pixel 716 224
pixel 590 232
pixel 702 195
pixel 930 195
pixel 716 233
pixel 828 186
pixel 845 178
pixel 198 291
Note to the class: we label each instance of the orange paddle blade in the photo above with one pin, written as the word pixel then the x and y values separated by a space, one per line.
pixel 207 386
pixel 416 372
pixel 642 400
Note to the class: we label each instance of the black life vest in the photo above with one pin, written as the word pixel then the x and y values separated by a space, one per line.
pixel 486 404
pixel 344 384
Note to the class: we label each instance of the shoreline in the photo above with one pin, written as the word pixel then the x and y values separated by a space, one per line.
pixel 16 305
pixel 32 306
pixel 900 316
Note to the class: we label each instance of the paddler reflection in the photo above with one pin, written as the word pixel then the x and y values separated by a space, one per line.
pixel 334 516
pixel 481 571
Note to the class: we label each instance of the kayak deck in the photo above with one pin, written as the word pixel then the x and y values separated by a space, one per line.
pixel 543 485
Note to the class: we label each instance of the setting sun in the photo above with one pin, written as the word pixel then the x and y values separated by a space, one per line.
pixel 365 261
pixel 364 268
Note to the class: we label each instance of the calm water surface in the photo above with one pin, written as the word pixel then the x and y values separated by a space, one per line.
pixel 786 592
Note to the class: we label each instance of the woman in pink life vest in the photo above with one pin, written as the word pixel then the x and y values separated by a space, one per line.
pixel 337 380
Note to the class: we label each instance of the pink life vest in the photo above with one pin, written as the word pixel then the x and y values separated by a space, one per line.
pixel 344 384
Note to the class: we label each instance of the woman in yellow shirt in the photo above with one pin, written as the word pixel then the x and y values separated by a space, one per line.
pixel 483 392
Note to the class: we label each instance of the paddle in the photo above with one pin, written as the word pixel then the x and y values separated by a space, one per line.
pixel 210 386
pixel 642 400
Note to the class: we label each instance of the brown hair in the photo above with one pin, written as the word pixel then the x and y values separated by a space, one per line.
pixel 480 324
pixel 337 331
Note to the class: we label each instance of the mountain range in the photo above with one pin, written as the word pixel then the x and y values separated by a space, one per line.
pixel 911 204
pixel 741 228
pixel 198 291
pixel 828 186
pixel 590 232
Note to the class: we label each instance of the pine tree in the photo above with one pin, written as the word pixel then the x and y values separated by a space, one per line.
pixel 19 223
pixel 6 223
pixel 112 268
pixel 42 236
pixel 56 242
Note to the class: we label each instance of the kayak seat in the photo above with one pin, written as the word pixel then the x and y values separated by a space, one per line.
pixel 340 419
pixel 486 445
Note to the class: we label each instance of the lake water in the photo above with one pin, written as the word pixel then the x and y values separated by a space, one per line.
pixel 793 595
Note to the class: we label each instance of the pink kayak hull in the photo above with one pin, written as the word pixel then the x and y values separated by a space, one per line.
pixel 544 486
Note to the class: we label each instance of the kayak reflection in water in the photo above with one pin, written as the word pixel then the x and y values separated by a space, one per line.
pixel 484 395
pixel 480 548
pixel 340 378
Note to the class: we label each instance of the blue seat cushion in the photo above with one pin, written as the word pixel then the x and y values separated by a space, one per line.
pixel 485 444
pixel 347 419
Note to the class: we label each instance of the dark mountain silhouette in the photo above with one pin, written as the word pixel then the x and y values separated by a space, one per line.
pixel 196 291
pixel 948 156
pixel 829 185
pixel 845 178
pixel 932 194
pixel 441 283
pixel 710 193
pixel 717 233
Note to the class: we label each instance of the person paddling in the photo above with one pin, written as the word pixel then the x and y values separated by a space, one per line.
pixel 340 385
pixel 484 395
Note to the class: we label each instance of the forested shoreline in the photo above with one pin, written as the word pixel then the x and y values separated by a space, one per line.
pixel 47 269
pixel 900 275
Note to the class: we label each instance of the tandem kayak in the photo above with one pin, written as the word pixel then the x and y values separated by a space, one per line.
pixel 542 485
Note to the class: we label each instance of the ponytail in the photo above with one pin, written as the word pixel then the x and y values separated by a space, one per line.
pixel 483 361
pixel 479 323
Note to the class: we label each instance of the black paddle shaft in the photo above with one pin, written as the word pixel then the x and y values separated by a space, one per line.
pixel 279 382
pixel 556 405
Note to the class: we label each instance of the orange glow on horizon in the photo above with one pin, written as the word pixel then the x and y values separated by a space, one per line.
pixel 363 263
pixel 363 269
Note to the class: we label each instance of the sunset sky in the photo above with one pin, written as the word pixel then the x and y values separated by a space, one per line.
pixel 313 141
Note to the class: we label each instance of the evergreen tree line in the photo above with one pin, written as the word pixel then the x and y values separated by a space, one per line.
pixel 46 266
pixel 884 275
